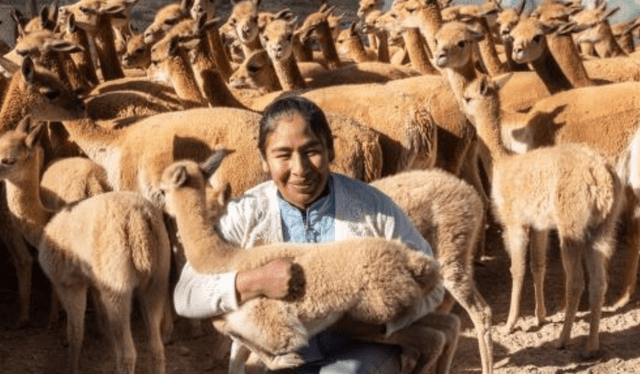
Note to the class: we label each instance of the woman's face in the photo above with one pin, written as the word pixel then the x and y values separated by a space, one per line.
pixel 297 160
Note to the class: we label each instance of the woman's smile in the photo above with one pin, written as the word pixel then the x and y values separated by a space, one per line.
pixel 298 161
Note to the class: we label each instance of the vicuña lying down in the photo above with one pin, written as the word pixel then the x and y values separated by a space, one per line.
pixel 385 278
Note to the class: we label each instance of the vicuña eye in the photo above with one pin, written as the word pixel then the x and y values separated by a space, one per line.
pixel 52 95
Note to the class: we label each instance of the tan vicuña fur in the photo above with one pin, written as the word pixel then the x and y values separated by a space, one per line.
pixel 568 187
pixel 114 242
pixel 448 212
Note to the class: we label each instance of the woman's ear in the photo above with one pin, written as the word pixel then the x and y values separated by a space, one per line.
pixel 264 163
pixel 332 155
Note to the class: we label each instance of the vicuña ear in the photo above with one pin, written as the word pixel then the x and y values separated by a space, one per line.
pixel 566 28
pixel 28 69
pixel 185 5
pixel 225 196
pixel 501 80
pixel 483 85
pixel 35 135
pixel 521 7
pixel 179 176
pixel 210 24
pixel 210 165
pixel 71 23
pixel 285 14
pixel 113 9
pixel 184 42
pixel 329 10
pixel 24 125
pixel 611 12
pixel 352 28
pixel 64 46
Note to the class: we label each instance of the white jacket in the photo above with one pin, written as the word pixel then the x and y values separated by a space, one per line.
pixel 254 219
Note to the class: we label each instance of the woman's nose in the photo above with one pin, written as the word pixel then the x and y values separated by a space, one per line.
pixel 299 164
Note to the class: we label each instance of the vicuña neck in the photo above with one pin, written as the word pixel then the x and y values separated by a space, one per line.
pixel 382 39
pixel 356 49
pixel 289 74
pixel 327 46
pixel 302 51
pixel 487 122
pixel 205 250
pixel 184 82
pixel 460 78
pixel 219 55
pixel 430 22
pixel 566 54
pixel 488 51
pixel 83 60
pixel 551 74
pixel 106 50
pixel 23 200
pixel 608 46
pixel 415 45
pixel 210 80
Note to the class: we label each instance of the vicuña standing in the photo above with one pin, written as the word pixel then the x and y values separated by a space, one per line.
pixel 568 187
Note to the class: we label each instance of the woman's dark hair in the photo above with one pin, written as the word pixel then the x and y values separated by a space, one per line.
pixel 288 105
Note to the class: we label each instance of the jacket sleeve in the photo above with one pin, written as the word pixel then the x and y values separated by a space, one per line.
pixel 204 295
pixel 398 226
pixel 198 295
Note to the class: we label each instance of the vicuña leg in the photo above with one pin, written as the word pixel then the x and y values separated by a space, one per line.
pixel 22 261
pixel 630 218
pixel 74 301
pixel 152 305
pixel 117 307
pixel 538 252
pixel 571 252
pixel 516 240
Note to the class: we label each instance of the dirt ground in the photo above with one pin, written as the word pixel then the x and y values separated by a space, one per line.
pixel 39 349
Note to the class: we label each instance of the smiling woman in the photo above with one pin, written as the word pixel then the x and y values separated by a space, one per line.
pixel 305 203
pixel 297 153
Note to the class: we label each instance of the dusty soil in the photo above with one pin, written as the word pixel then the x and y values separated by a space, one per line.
pixel 39 349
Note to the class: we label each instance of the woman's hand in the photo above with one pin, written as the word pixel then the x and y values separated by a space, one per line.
pixel 276 280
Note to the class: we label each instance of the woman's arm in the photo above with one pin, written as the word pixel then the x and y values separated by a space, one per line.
pixel 208 295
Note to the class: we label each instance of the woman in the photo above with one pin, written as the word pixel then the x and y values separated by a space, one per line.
pixel 303 202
